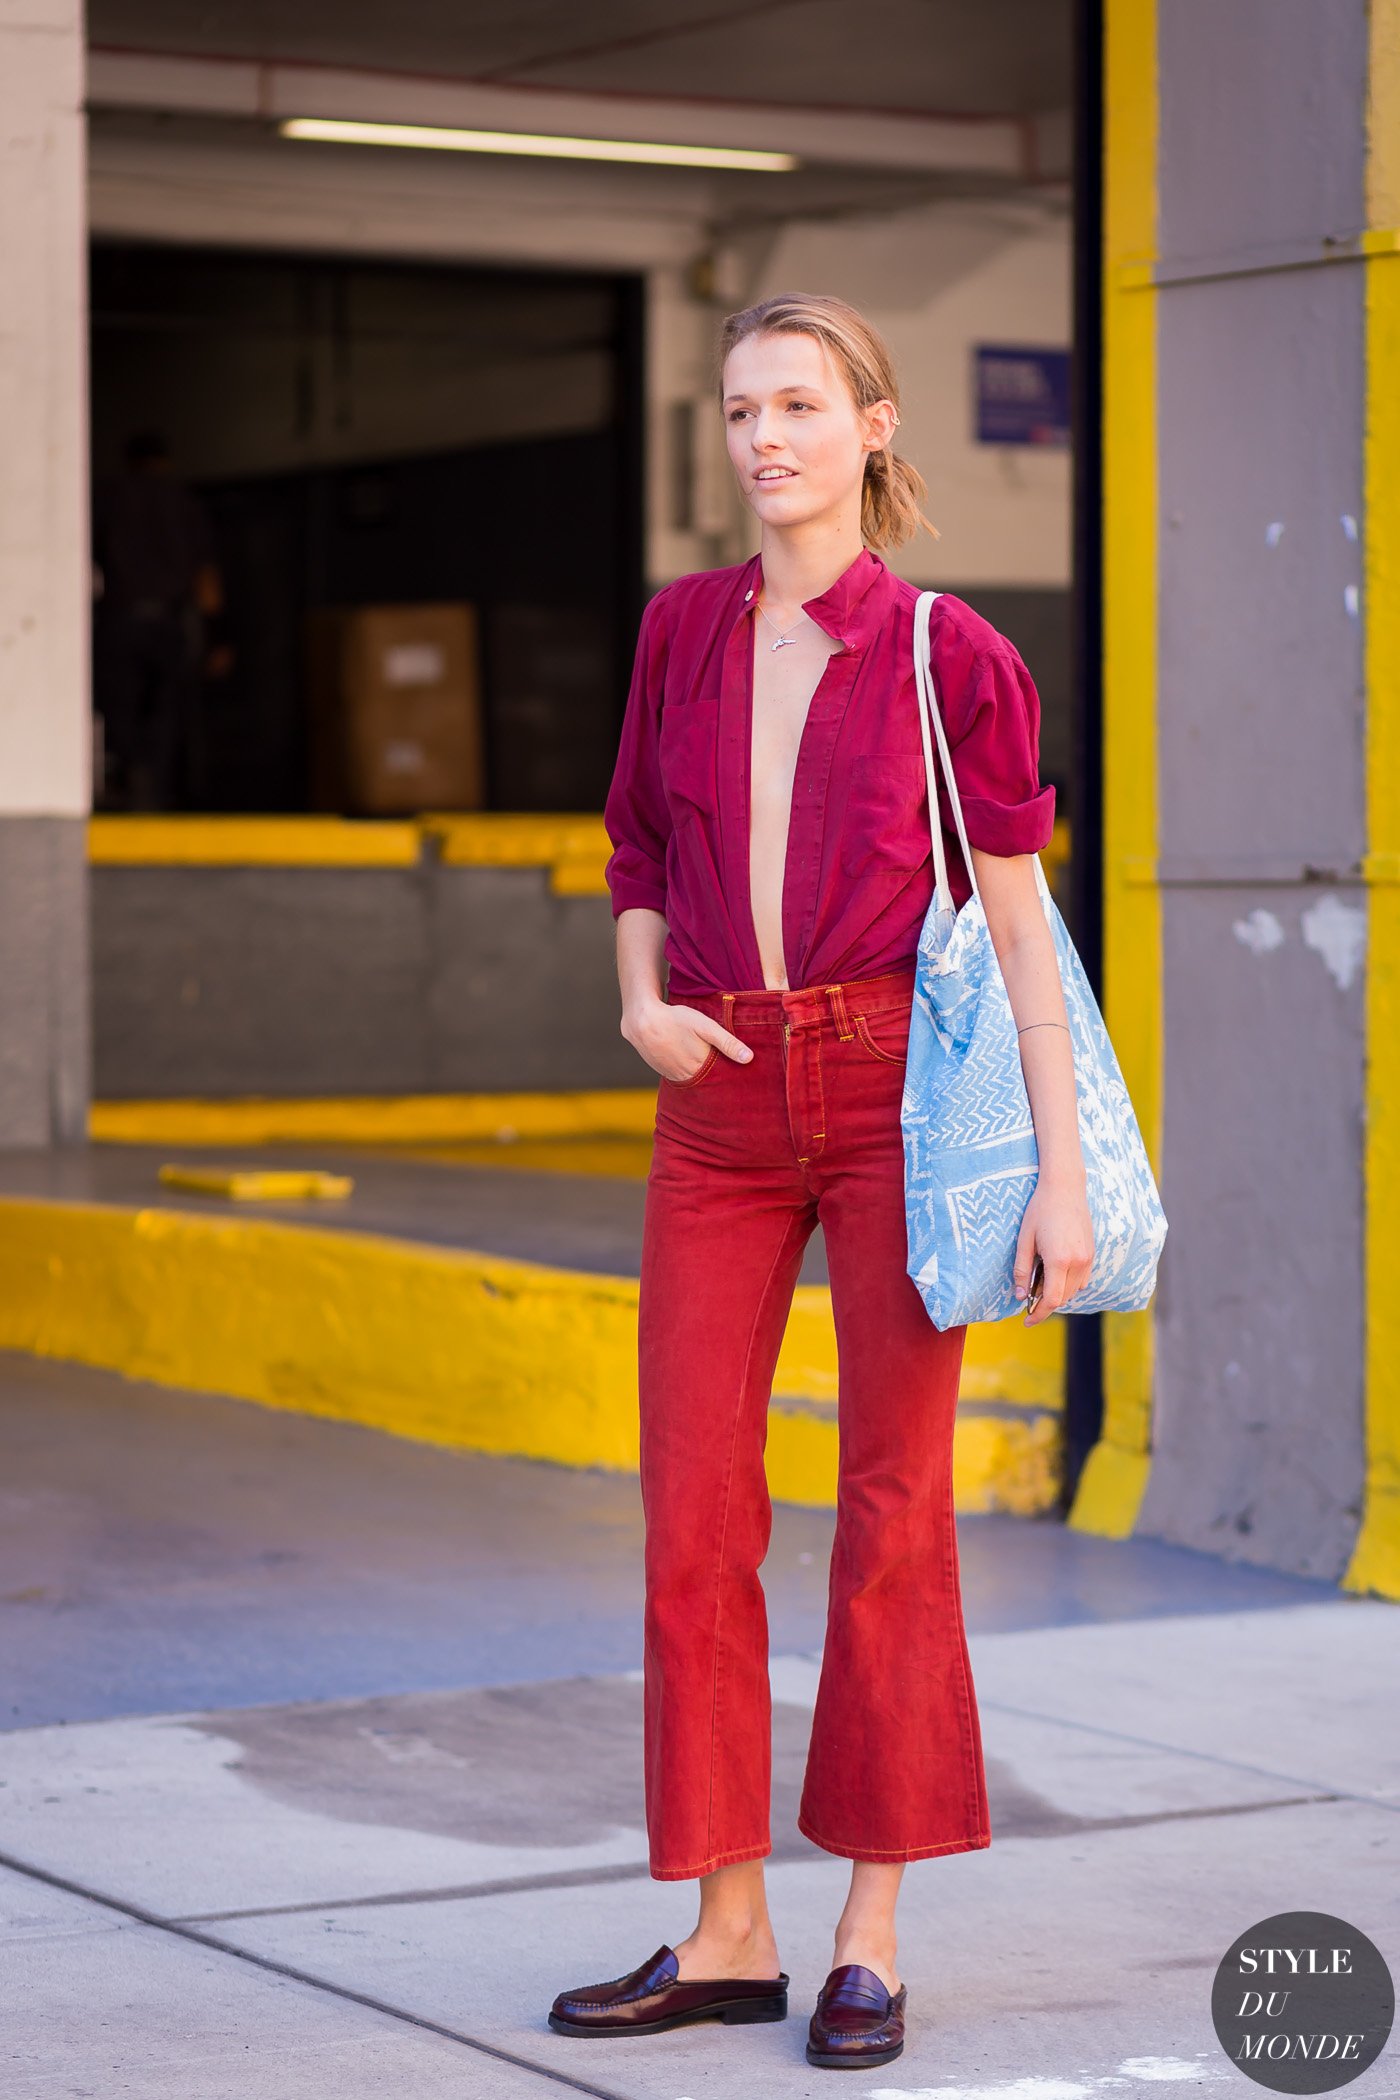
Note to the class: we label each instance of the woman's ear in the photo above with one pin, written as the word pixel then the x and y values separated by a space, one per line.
pixel 880 420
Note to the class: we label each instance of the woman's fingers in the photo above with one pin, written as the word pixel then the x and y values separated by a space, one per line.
pixel 1025 1257
pixel 710 1031
pixel 702 1035
pixel 729 1044
pixel 1064 1278
pixel 1052 1291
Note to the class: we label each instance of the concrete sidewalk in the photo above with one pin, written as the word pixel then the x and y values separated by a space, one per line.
pixel 323 1776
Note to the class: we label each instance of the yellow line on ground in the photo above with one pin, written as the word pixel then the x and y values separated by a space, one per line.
pixel 402 1119
pixel 450 1347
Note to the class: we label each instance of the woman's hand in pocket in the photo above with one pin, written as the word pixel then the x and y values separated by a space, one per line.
pixel 677 1040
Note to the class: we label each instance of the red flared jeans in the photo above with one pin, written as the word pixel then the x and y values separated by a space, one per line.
pixel 747 1159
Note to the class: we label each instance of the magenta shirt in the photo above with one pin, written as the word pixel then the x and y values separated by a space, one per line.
pixel 859 873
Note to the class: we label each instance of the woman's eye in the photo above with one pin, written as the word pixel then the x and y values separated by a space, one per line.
pixel 737 414
pixel 799 404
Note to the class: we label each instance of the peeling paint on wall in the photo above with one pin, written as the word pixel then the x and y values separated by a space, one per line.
pixel 1259 933
pixel 1338 933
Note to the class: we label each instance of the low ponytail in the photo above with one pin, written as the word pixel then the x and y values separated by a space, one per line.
pixel 893 495
pixel 892 500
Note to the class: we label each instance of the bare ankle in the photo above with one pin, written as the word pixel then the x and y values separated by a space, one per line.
pixel 872 1948
pixel 734 1946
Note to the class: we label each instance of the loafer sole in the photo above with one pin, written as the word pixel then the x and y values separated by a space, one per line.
pixel 852 2059
pixel 735 2012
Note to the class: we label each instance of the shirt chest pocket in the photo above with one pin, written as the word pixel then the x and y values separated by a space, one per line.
pixel 689 758
pixel 885 823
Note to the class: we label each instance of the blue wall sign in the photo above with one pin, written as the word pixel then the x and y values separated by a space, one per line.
pixel 1022 395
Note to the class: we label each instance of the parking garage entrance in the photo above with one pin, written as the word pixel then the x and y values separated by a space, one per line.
pixel 394 555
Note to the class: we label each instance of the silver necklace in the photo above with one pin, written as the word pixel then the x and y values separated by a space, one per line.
pixel 784 641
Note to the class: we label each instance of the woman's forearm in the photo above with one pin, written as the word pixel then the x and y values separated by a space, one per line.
pixel 641 949
pixel 1025 950
pixel 1047 1057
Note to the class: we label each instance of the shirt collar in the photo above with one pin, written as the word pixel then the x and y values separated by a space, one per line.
pixel 852 610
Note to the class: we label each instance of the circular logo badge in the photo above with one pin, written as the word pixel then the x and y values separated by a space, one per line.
pixel 1303 2002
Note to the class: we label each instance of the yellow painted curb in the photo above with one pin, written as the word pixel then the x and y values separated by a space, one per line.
pixel 404 1119
pixel 251 842
pixel 459 1349
pixel 1000 1462
pixel 575 848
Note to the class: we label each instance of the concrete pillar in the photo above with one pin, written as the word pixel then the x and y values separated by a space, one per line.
pixel 45 710
pixel 1251 671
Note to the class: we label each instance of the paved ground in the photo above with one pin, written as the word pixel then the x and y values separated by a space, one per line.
pixel 321 1774
pixel 590 1220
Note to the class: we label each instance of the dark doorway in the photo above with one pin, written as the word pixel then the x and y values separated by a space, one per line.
pixel 366 433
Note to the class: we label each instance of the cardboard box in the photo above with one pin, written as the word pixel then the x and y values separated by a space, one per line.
pixel 396 714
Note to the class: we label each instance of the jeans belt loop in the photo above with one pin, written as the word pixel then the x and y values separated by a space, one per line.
pixel 727 1011
pixel 837 997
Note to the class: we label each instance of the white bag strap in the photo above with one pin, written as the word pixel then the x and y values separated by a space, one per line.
pixel 929 711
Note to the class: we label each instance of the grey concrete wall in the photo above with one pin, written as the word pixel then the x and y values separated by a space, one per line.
pixel 1258 1398
pixel 45 578
pixel 313 981
pixel 43 980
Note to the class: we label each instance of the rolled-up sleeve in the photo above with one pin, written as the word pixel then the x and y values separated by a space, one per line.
pixel 635 814
pixel 994 735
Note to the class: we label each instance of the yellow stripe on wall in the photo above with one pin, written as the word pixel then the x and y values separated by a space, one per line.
pixel 1115 1475
pixel 1375 1564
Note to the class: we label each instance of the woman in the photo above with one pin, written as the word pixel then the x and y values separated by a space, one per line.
pixel 769 819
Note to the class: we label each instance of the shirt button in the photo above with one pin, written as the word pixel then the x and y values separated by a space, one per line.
pixel 747 596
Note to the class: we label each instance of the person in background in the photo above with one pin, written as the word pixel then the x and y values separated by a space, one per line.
pixel 159 594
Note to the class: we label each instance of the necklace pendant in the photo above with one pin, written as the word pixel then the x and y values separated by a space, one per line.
pixel 787 642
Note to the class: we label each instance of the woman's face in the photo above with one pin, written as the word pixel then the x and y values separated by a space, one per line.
pixel 797 441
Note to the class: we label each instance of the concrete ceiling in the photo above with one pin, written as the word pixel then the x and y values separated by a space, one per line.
pixel 931 57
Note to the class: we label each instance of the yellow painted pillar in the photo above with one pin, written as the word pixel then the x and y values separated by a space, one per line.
pixel 1375 1565
pixel 1115 1474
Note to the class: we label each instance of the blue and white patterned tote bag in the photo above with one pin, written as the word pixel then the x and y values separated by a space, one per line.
pixel 970 1160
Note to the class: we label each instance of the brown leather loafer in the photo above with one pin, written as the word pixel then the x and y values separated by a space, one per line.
pixel 653 1998
pixel 856 2022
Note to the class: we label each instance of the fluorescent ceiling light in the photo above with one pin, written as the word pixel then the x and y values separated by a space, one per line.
pixel 445 139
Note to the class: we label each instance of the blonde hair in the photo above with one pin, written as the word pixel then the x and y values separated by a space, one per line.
pixel 893 492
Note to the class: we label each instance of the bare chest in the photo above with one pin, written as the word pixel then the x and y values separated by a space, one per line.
pixel 784 682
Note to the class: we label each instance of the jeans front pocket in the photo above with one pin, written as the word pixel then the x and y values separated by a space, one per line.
pixel 885 1035
pixel 707 1065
